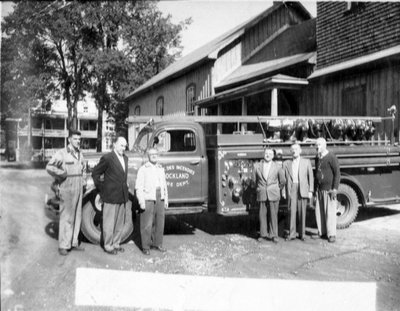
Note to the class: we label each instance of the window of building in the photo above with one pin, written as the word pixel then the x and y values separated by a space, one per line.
pixel 176 141
pixel 85 109
pixel 110 128
pixel 353 101
pixel 58 142
pixel 54 124
pixel 88 143
pixel 88 125
pixel 160 106
pixel 58 124
pixel 47 124
pixel 36 123
pixel 136 112
pixel 190 99
pixel 109 143
pixel 354 7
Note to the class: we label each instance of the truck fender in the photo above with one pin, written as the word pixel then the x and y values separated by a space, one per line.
pixel 348 202
pixel 355 184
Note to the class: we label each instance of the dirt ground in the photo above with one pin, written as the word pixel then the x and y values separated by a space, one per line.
pixel 35 277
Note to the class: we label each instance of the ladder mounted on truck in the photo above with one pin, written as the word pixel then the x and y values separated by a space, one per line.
pixel 275 129
pixel 244 119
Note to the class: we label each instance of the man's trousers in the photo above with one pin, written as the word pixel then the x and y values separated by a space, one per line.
pixel 152 222
pixel 325 214
pixel 113 225
pixel 269 219
pixel 70 215
pixel 297 212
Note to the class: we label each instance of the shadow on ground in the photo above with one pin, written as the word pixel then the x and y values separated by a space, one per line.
pixel 375 212
pixel 22 165
pixel 247 225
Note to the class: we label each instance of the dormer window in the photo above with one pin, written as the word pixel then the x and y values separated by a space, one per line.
pixel 190 99
pixel 137 111
pixel 160 106
pixel 354 7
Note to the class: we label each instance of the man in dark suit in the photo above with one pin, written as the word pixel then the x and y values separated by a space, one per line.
pixel 299 188
pixel 269 179
pixel 114 193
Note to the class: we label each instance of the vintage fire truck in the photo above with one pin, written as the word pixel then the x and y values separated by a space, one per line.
pixel 208 169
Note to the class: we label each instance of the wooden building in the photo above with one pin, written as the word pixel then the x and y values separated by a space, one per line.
pixel 358 60
pixel 239 72
pixel 284 62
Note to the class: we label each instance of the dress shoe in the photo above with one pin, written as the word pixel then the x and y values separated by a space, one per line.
pixel 112 252
pixel 63 251
pixel 146 252
pixel 332 239
pixel 159 248
pixel 275 240
pixel 262 239
pixel 316 237
pixel 288 238
pixel 120 249
pixel 78 248
pixel 302 238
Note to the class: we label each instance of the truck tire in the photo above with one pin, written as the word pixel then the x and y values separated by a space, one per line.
pixel 91 221
pixel 347 206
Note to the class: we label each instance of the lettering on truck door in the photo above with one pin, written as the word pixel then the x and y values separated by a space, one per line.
pixel 180 155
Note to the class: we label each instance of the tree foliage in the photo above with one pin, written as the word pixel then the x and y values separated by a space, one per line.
pixel 64 49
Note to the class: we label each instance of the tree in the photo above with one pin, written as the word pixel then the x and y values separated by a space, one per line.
pixel 135 43
pixel 46 37
pixel 65 49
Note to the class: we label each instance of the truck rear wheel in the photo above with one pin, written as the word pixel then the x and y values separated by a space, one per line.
pixel 91 220
pixel 347 206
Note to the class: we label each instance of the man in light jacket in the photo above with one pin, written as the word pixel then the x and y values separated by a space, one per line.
pixel 299 188
pixel 152 194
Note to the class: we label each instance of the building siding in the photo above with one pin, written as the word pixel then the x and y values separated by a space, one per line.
pixel 265 28
pixel 342 35
pixel 382 90
pixel 228 60
pixel 174 92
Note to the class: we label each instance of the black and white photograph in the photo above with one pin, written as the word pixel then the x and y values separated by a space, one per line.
pixel 200 155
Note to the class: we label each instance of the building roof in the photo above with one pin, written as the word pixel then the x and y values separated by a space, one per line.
pixel 356 62
pixel 246 72
pixel 210 50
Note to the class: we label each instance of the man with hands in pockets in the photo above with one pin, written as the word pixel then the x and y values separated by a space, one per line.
pixel 115 194
pixel 152 194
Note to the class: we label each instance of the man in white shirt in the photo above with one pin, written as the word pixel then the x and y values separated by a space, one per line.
pixel 152 194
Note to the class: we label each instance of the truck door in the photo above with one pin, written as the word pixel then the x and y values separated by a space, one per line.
pixel 182 157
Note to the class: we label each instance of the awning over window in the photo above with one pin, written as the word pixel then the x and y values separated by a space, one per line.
pixel 252 71
pixel 275 82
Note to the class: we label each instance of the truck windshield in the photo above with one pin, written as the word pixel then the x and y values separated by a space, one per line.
pixel 142 140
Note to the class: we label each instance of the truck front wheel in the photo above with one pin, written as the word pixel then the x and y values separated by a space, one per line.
pixel 347 206
pixel 91 220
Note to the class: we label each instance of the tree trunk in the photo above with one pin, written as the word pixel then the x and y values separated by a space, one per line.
pixel 75 115
pixel 99 129
pixel 69 108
